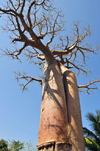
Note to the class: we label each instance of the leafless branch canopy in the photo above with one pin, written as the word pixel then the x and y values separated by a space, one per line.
pixel 37 23
pixel 28 79
pixel 89 86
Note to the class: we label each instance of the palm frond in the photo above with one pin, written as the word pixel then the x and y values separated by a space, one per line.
pixel 95 122
pixel 90 134
pixel 92 138
pixel 91 144
pixel 98 124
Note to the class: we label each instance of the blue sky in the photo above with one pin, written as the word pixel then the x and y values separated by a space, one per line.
pixel 20 111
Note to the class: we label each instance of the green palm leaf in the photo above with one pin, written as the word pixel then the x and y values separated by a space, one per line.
pixel 95 122
pixel 92 138
pixel 91 144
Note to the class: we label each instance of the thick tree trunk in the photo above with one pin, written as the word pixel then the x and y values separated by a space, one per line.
pixel 74 127
pixel 60 121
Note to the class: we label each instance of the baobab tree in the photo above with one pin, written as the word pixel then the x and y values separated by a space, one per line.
pixel 39 24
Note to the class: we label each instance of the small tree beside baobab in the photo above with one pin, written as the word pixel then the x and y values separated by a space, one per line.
pixel 37 23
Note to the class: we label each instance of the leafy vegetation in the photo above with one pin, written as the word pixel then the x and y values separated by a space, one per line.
pixel 15 146
pixel 92 137
pixel 3 145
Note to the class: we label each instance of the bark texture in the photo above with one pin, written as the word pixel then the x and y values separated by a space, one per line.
pixel 53 118
pixel 60 121
pixel 74 127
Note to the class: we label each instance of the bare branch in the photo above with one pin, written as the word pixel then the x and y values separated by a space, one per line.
pixel 16 53
pixel 12 4
pixel 87 86
pixel 23 4
pixel 19 4
pixel 89 49
pixel 41 20
pixel 23 37
pixel 43 2
pixel 9 12
pixel 29 10
pixel 41 57
pixel 77 67
pixel 29 79
pixel 55 29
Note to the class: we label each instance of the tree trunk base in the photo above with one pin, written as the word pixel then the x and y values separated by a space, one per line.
pixel 56 147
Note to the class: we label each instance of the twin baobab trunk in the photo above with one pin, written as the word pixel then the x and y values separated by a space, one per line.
pixel 60 121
